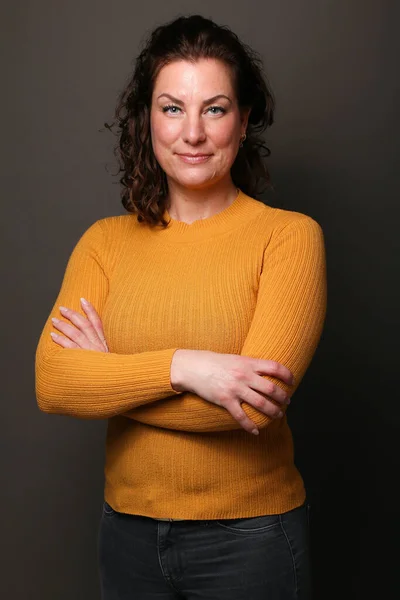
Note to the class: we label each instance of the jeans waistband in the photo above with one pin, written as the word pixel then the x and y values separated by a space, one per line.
pixel 162 519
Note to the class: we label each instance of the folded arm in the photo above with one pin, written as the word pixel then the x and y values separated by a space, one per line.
pixel 286 327
pixel 88 384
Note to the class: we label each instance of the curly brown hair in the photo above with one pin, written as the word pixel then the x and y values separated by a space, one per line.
pixel 144 183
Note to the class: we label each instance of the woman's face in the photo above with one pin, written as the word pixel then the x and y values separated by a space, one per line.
pixel 196 123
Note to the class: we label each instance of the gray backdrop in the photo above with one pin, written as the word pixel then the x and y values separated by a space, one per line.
pixel 333 67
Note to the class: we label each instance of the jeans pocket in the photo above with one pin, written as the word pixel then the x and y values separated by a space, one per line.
pixel 108 510
pixel 249 524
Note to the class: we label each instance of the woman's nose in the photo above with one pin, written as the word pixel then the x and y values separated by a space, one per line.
pixel 193 130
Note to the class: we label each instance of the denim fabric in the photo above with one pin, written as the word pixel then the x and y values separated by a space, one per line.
pixel 257 558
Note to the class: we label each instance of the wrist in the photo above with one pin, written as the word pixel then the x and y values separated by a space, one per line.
pixel 177 371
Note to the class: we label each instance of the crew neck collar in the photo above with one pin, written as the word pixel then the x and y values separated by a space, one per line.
pixel 239 211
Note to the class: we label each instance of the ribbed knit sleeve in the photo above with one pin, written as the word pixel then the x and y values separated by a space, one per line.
pixel 286 327
pixel 91 384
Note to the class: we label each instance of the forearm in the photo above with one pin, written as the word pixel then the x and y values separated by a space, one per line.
pixel 97 385
pixel 189 412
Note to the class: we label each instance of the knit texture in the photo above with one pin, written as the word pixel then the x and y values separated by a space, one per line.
pixel 250 280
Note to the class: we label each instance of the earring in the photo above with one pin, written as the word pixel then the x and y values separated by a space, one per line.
pixel 242 139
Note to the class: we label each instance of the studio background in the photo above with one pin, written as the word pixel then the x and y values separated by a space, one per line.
pixel 333 66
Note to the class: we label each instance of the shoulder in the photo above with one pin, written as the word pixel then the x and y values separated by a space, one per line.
pixel 284 233
pixel 280 218
pixel 106 239
pixel 117 224
pixel 270 222
pixel 113 230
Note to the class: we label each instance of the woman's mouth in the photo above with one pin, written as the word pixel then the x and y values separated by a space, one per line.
pixel 194 159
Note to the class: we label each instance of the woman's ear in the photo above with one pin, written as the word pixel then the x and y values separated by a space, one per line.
pixel 244 117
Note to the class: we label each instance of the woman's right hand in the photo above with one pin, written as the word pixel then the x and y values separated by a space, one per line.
pixel 229 379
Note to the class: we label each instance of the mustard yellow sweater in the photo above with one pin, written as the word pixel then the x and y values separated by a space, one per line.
pixel 250 280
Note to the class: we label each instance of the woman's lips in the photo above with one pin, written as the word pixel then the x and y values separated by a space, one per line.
pixel 194 159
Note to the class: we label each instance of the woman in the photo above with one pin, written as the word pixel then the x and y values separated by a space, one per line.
pixel 204 309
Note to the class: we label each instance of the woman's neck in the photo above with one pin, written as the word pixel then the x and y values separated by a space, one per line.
pixel 189 205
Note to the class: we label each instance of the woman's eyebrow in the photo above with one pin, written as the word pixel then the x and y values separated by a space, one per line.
pixel 209 101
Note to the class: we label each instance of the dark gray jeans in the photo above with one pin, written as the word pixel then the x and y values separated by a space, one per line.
pixel 257 558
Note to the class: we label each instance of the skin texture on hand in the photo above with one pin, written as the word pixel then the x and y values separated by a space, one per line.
pixel 83 333
pixel 227 380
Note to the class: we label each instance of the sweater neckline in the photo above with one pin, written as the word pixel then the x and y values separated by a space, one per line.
pixel 229 218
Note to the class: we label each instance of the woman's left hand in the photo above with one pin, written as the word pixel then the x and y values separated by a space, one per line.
pixel 87 333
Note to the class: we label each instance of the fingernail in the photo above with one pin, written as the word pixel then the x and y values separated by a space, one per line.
pixel 255 431
pixel 288 401
pixel 280 415
pixel 63 309
pixel 55 320
pixel 84 301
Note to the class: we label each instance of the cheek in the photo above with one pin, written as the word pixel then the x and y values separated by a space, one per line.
pixel 163 131
pixel 226 135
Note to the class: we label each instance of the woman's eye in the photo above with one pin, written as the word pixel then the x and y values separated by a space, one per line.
pixel 215 110
pixel 171 109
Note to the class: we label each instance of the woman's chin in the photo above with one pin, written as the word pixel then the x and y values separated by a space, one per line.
pixel 196 182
